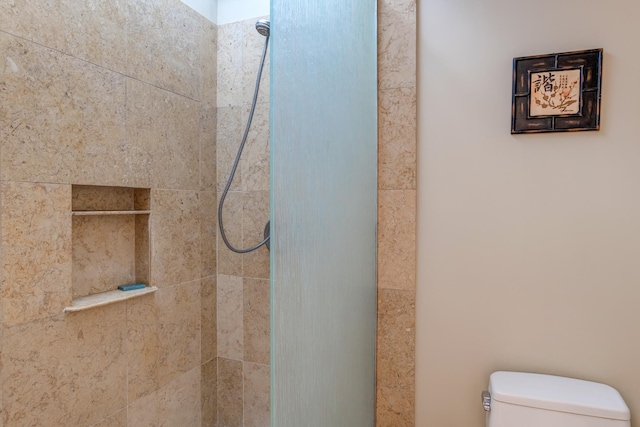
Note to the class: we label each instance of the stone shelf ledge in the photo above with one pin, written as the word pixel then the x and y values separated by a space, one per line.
pixel 105 298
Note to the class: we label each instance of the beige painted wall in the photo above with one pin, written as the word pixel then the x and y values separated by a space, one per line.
pixel 528 246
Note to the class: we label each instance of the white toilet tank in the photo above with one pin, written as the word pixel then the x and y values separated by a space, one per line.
pixel 517 399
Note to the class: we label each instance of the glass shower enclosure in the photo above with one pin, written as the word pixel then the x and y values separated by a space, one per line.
pixel 323 212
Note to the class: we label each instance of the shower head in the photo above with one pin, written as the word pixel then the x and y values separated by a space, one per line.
pixel 263 26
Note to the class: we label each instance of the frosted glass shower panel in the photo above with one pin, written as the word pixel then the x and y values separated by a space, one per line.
pixel 323 204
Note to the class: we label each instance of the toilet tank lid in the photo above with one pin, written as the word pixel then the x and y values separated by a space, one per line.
pixel 558 394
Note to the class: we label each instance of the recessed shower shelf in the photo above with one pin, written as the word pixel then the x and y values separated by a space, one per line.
pixel 97 213
pixel 105 298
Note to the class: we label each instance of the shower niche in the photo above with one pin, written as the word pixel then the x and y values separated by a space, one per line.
pixel 110 244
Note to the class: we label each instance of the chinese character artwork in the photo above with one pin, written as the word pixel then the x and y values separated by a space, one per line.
pixel 555 92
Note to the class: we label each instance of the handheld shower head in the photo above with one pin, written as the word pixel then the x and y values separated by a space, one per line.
pixel 263 27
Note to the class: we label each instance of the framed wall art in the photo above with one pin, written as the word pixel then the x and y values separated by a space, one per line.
pixel 557 92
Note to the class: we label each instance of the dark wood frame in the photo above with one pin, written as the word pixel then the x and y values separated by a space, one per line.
pixel 588 117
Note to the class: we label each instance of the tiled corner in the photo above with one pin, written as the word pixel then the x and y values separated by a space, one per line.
pixel 62 119
pixel 208 233
pixel 230 393
pixel 208 303
pixel 230 263
pixel 158 48
pixel 256 321
pixel 175 237
pixel 208 163
pixel 255 158
pixel 230 317
pixel 255 215
pixel 256 395
pixel 36 250
pixel 177 403
pixel 209 398
pixel 396 338
pixel 397 43
pixel 397 239
pixel 397 138
pixel 163 136
pixel 228 137
pixel 51 368
pixel 163 337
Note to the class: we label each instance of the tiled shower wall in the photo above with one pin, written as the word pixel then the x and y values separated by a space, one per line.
pixel 121 93
pixel 243 279
pixel 243 295
pixel 115 93
pixel 396 212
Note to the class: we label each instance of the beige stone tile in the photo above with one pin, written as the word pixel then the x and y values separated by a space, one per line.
pixel 256 313
pixel 93 198
pixel 68 370
pixel 208 292
pixel 144 346
pixel 256 396
pixel 163 137
pixel 397 139
pixel 37 20
pixel 255 158
pixel 61 119
pixel 89 30
pixel 255 217
pixel 209 62
pixel 176 404
pixel 36 250
pixel 208 387
pixel 208 232
pixel 230 263
pixel 230 317
pixel 164 42
pixel 230 44
pixel 119 419
pixel 395 407
pixel 175 237
pixel 228 137
pixel 93 31
pixel 163 337
pixel 396 43
pixel 230 393
pixel 397 239
pixel 396 338
pixel 253 45
pixel 179 326
pixel 208 162
pixel 104 253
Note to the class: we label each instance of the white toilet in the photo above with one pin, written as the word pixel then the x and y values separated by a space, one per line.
pixel 517 399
